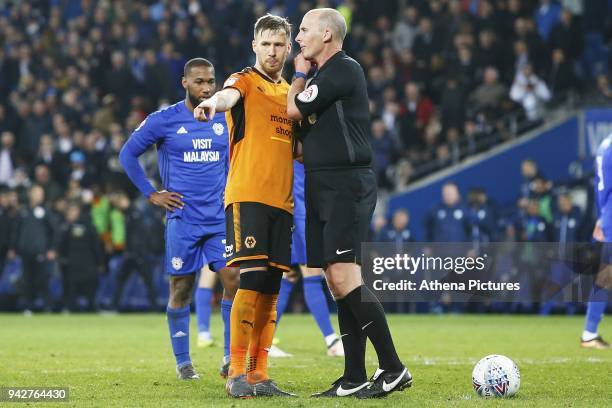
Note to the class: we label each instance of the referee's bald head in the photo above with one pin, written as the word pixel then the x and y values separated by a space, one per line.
pixel 331 19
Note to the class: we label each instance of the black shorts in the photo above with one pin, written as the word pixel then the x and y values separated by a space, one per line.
pixel 339 207
pixel 258 231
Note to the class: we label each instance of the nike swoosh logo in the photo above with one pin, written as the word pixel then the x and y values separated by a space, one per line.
pixel 364 327
pixel 341 392
pixel 388 387
pixel 339 252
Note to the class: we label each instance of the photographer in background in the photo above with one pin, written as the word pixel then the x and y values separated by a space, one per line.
pixel 531 93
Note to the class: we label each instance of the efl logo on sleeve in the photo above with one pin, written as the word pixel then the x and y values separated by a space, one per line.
pixel 309 94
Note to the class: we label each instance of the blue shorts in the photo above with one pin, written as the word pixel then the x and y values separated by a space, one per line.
pixel 189 246
pixel 298 241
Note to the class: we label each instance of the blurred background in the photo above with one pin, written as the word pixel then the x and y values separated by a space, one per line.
pixel 486 115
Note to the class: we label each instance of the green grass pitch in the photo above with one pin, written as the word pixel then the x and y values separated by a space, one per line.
pixel 125 361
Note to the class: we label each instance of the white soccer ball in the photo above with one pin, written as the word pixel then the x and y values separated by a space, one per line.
pixel 496 376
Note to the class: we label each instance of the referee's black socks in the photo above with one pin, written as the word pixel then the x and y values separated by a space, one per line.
pixel 354 342
pixel 370 316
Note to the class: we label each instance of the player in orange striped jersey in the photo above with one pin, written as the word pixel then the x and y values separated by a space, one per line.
pixel 258 201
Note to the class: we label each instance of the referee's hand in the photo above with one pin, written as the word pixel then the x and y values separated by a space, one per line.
pixel 206 110
pixel 167 200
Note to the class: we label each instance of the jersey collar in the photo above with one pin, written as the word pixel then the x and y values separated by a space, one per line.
pixel 338 55
pixel 267 78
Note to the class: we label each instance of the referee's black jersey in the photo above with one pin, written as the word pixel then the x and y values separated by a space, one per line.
pixel 336 118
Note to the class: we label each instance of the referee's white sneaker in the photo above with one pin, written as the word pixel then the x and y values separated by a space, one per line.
pixel 384 383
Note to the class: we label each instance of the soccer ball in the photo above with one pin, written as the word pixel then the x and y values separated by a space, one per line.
pixel 496 376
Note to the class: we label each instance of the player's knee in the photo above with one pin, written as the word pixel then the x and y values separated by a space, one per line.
pixel 181 289
pixel 341 281
pixel 259 278
pixel 230 279
pixel 604 278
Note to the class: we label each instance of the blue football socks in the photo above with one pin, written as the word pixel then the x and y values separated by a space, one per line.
pixel 178 325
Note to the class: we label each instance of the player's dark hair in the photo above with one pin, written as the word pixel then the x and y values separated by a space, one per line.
pixel 196 62
pixel 273 23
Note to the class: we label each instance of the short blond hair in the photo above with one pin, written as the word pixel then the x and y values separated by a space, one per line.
pixel 273 23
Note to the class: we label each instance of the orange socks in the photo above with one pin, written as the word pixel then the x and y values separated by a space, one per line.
pixel 262 335
pixel 242 322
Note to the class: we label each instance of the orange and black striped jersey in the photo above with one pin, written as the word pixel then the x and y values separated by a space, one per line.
pixel 261 142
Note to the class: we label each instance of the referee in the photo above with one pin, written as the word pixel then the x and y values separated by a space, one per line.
pixel 340 196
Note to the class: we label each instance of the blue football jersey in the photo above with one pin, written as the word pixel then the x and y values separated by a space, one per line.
pixel 603 184
pixel 299 209
pixel 192 159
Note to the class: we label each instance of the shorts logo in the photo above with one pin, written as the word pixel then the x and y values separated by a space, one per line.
pixel 218 129
pixel 229 251
pixel 250 242
pixel 177 263
pixel 309 94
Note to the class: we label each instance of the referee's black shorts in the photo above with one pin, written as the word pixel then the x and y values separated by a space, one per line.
pixel 339 207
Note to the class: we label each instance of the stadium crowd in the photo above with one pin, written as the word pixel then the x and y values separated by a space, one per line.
pixel 447 79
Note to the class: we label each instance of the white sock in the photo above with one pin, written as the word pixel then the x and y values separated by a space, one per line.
pixel 330 339
pixel 588 336
pixel 204 335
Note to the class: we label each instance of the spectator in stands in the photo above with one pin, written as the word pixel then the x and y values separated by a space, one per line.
pixel 487 98
pixel 78 169
pixel 379 222
pixel 106 115
pixel 490 52
pixel 42 177
pixel 482 217
pixel 541 192
pixel 34 239
pixel 452 104
pixel 384 148
pixel 561 78
pixel 405 30
pixel 415 114
pixel 120 82
pixel 531 93
pixel 137 252
pixel 81 258
pixel 404 172
pixel 5 226
pixel 533 226
pixel 529 171
pixel 448 221
pixel 7 157
pixel 36 125
pixel 603 90
pixel 48 156
pixel 546 17
pixel 399 230
pixel 567 220
pixel 567 35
